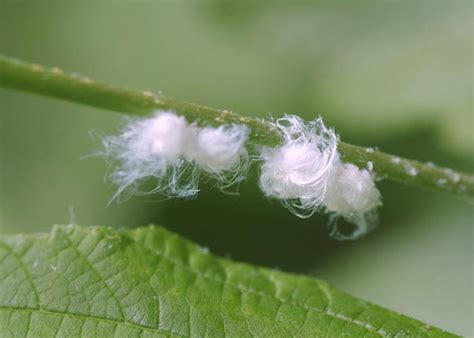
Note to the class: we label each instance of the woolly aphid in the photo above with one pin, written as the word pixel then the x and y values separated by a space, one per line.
pixel 175 155
pixel 305 172
pixel 297 171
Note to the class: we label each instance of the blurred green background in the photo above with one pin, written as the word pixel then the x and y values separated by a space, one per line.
pixel 397 75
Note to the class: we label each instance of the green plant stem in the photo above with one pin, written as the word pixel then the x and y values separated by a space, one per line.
pixel 55 83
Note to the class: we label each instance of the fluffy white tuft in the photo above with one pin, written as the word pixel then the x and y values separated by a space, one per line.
pixel 172 152
pixel 351 194
pixel 308 176
pixel 350 190
pixel 218 149
pixel 297 171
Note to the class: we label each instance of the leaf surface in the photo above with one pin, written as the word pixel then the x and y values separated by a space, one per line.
pixel 95 281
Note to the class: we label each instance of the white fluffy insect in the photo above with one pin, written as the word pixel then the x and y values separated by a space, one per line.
pixel 175 154
pixel 305 172
pixel 220 151
pixel 297 171
pixel 351 194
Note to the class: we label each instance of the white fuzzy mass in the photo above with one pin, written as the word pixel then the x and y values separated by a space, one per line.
pixel 175 154
pixel 218 149
pixel 305 172
pixel 297 171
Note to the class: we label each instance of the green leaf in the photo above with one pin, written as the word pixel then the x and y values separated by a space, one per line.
pixel 95 281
